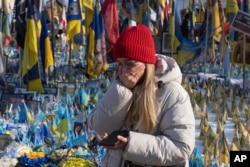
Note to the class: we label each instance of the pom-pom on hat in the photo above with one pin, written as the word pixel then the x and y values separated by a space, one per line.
pixel 136 43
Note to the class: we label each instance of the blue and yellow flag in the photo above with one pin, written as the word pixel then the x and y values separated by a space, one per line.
pixel 74 18
pixel 192 9
pixel 96 60
pixel 174 30
pixel 218 18
pixel 88 15
pixel 45 46
pixel 30 65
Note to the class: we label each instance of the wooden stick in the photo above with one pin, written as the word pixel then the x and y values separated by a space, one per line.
pixel 244 61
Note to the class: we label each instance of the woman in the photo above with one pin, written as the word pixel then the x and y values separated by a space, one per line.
pixel 148 100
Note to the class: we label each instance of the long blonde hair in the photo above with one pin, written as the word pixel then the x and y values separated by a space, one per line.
pixel 143 110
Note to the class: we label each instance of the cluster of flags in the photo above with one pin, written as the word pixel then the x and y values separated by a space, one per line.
pixel 96 21
pixel 230 108
pixel 100 23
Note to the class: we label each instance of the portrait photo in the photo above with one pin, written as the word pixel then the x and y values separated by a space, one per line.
pixel 68 87
pixel 12 98
pixel 93 83
pixel 34 106
pixel 50 90
pixel 166 42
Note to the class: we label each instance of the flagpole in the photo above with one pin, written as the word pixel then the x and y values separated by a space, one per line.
pixel 27 60
pixel 244 61
pixel 1 20
pixel 172 44
pixel 69 63
pixel 205 59
pixel 52 43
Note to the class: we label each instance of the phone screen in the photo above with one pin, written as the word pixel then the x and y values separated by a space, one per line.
pixel 112 140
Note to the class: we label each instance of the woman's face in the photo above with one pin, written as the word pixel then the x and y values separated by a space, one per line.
pixel 130 71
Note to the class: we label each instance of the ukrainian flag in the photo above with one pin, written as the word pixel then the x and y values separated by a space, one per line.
pixel 74 18
pixel 45 46
pixel 96 60
pixel 30 66
pixel 218 19
pixel 89 13
pixel 192 8
pixel 174 30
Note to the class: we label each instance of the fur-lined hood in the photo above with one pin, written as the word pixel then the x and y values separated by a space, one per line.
pixel 167 70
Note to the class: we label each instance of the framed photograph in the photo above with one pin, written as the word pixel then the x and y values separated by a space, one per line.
pixel 20 90
pixel 9 77
pixel 12 65
pixel 47 97
pixel 12 98
pixel 157 40
pixel 68 72
pixel 67 68
pixel 30 95
pixel 68 87
pixel 50 90
pixel 46 102
pixel 10 88
pixel 166 44
pixel 34 106
pixel 3 106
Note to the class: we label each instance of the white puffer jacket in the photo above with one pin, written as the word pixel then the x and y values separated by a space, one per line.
pixel 171 143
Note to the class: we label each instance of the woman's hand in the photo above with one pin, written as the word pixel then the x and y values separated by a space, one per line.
pixel 120 146
pixel 130 76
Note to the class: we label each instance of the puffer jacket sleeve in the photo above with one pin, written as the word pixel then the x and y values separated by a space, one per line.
pixel 176 138
pixel 111 110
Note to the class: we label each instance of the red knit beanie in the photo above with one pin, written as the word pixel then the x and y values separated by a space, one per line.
pixel 136 43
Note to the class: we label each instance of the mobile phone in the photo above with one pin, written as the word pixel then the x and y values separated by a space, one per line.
pixel 112 140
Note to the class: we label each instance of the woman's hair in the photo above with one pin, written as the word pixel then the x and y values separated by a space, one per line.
pixel 143 110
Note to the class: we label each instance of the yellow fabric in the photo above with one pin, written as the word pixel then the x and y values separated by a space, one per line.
pixel 63 126
pixel 200 16
pixel 161 2
pixel 232 6
pixel 74 26
pixel 6 8
pixel 95 65
pixel 29 117
pixel 224 154
pixel 210 135
pixel 88 3
pixel 49 61
pixel 89 18
pixel 30 57
pixel 216 22
pixel 193 12
pixel 142 10
pixel 38 28
pixel 234 147
pixel 175 43
pixel 183 56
